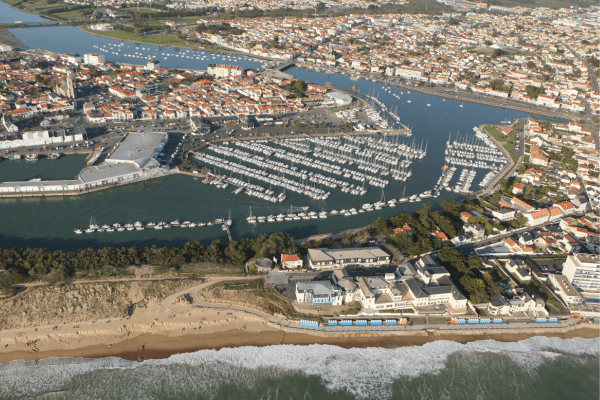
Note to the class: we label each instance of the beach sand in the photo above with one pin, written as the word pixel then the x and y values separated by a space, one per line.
pixel 156 346
pixel 169 326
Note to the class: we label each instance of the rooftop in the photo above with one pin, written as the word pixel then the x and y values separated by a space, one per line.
pixel 138 148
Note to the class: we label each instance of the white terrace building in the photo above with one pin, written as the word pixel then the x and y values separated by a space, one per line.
pixel 424 287
pixel 339 258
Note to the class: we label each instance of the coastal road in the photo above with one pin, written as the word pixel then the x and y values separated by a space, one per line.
pixel 454 93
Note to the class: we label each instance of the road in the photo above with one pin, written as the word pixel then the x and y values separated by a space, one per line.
pixel 588 110
pixel 108 280
pixel 471 246
pixel 453 93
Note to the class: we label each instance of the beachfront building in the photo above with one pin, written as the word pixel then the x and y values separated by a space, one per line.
pixel 520 304
pixel 339 258
pixel 564 289
pixel 583 271
pixel 318 293
pixel 414 287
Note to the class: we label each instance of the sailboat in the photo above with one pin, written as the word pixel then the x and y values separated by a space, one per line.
pixel 251 219
pixel 461 103
pixel 403 199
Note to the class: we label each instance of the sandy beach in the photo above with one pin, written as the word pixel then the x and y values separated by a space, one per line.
pixel 184 322
pixel 156 346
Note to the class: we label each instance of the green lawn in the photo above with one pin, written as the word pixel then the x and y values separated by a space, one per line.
pixel 166 40
pixel 185 21
pixel 68 15
pixel 495 132
pixel 147 11
pixel 35 5
pixel 509 140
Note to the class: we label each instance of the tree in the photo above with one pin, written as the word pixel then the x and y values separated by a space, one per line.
pixel 534 91
pixel 531 65
pixel 498 53
pixel 498 84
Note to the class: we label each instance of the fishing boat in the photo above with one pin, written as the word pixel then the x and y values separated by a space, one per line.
pixel 93 224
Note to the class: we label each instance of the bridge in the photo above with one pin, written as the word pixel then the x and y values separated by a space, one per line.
pixel 33 24
pixel 284 66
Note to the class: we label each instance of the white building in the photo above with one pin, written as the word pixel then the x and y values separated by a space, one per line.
pixel 9 126
pixel 152 65
pixel 224 71
pixel 411 287
pixel 583 271
pixel 318 293
pixel 504 214
pixel 517 269
pixel 291 261
pixel 93 59
pixel 561 286
pixel 339 258
pixel 500 305
pixel 101 27
pixel 36 138
pixel 409 73
pixel 5 47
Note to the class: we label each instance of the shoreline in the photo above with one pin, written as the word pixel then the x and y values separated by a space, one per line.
pixel 157 346
pixel 199 47
pixel 457 95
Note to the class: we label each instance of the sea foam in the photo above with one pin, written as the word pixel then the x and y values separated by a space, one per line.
pixel 364 372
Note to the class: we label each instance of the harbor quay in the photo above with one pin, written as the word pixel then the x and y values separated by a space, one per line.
pixel 132 160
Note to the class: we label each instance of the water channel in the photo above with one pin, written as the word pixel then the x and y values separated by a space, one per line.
pixel 49 222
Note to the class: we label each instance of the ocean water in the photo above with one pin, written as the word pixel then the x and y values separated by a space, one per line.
pixel 536 368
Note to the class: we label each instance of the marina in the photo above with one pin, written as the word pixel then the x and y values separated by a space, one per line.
pixel 478 152
pixel 352 164
pixel 140 226
pixel 49 221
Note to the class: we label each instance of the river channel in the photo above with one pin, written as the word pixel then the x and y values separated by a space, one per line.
pixel 49 222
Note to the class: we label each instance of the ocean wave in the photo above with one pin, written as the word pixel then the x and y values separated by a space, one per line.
pixel 363 372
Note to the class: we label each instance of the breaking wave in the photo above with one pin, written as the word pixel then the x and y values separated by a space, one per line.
pixel 361 372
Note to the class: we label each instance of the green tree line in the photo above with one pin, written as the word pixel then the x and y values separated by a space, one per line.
pixel 21 265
